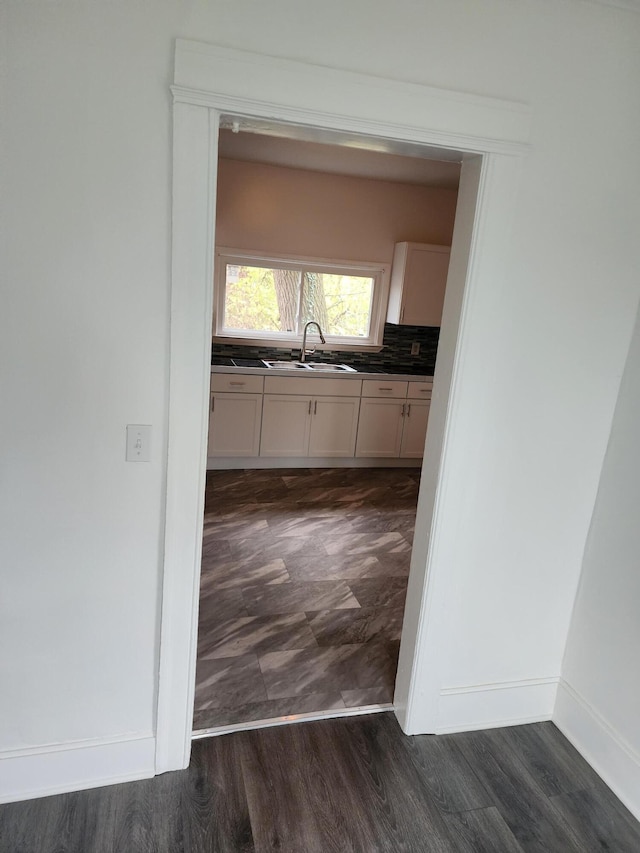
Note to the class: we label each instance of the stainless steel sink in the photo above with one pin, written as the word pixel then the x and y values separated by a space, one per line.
pixel 286 365
pixel 330 368
pixel 309 365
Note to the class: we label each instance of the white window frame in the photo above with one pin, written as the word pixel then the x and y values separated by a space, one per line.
pixel 378 272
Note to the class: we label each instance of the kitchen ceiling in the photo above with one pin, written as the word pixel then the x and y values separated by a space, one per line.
pixel 326 151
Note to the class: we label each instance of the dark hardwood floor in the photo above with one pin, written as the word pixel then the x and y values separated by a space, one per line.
pixel 350 784
pixel 304 577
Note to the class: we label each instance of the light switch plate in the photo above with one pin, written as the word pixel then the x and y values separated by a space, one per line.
pixel 415 348
pixel 138 443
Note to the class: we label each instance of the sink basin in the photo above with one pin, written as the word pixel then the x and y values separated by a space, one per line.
pixel 332 368
pixel 309 365
pixel 286 365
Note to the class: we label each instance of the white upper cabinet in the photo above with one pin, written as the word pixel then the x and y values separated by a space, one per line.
pixel 418 281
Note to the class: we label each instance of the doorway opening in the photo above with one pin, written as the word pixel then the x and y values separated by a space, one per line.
pixel 305 561
pixel 492 135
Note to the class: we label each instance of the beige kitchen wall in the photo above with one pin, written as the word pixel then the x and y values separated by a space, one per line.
pixel 314 214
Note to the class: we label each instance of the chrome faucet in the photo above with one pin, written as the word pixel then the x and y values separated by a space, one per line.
pixel 304 351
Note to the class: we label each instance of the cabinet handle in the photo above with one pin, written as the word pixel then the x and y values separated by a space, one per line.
pixel 385 389
pixel 315 408
pixel 310 406
pixel 237 383
pixel 402 412
pixel 409 410
pixel 213 402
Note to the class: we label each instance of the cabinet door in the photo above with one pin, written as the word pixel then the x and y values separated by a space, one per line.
pixel 418 281
pixel 234 424
pixel 286 421
pixel 334 422
pixel 415 429
pixel 379 427
pixel 425 282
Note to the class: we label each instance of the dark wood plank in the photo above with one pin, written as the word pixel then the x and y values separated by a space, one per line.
pixel 214 799
pixel 354 785
pixel 599 820
pixel 339 786
pixel 450 779
pixel 549 757
pixel 60 824
pixel 482 831
pixel 293 799
pixel 527 811
pixel 130 817
pixel 198 810
pixel 384 785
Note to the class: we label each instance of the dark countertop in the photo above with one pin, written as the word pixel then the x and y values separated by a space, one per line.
pixel 385 369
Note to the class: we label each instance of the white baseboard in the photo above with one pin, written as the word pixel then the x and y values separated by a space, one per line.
pixel 221 463
pixel 606 750
pixel 59 768
pixel 489 706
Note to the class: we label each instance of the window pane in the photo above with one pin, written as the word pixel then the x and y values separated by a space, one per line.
pixel 340 303
pixel 261 299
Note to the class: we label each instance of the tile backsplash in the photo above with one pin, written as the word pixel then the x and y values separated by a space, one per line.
pixel 395 353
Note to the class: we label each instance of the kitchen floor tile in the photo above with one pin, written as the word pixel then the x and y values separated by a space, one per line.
pixel 298 597
pixel 294 673
pixel 302 591
pixel 379 592
pixel 228 681
pixel 341 627
pixel 256 634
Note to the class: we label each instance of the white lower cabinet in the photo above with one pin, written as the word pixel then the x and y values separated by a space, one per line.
pixel 414 429
pixel 334 423
pixel 380 427
pixel 392 428
pixel 298 425
pixel 320 418
pixel 234 424
pixel 286 422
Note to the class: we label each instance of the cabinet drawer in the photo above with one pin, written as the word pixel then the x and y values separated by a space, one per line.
pixel 334 387
pixel 420 390
pixel 246 383
pixel 384 388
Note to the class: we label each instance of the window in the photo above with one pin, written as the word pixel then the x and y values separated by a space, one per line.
pixel 268 300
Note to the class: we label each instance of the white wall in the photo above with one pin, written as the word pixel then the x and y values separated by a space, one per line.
pixel 85 272
pixel 599 705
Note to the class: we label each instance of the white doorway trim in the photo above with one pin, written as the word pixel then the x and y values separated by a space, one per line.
pixel 210 81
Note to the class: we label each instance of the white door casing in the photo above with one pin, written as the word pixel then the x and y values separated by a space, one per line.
pixel 210 81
